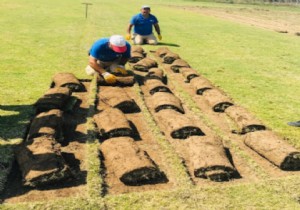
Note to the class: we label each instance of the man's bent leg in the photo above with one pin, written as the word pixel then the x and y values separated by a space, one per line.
pixel 89 70
pixel 105 65
pixel 151 39
pixel 138 39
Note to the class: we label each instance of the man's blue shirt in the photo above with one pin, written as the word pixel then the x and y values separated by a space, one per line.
pixel 143 26
pixel 101 51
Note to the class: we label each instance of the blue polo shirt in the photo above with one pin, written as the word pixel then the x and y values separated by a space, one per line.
pixel 101 51
pixel 143 26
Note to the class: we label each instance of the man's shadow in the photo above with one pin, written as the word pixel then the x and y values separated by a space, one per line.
pixel 168 44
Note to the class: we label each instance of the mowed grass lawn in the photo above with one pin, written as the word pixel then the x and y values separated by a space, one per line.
pixel 259 69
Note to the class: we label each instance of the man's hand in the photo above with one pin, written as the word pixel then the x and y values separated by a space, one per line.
pixel 128 37
pixel 121 70
pixel 109 78
pixel 159 36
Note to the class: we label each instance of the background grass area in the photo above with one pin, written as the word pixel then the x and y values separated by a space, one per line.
pixel 258 68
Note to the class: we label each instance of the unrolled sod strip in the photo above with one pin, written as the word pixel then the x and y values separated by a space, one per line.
pixel 178 125
pixel 65 79
pixel 125 80
pixel 47 124
pixel 208 156
pixel 112 122
pixel 165 100
pixel 200 84
pixel 128 80
pixel 245 121
pixel 41 162
pixel 274 149
pixel 217 100
pixel 129 163
pixel 155 86
pixel 116 97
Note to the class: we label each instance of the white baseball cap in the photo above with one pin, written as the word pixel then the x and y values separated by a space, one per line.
pixel 118 43
pixel 145 7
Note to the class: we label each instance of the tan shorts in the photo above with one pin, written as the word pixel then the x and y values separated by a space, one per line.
pixel 149 39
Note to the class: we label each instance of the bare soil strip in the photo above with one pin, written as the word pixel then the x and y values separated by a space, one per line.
pixel 278 21
pixel 144 140
pixel 196 127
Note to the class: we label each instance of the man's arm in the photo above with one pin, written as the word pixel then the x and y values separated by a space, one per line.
pixel 129 28
pixel 108 77
pixel 93 63
pixel 157 28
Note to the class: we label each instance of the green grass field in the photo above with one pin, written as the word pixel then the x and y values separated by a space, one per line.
pixel 258 68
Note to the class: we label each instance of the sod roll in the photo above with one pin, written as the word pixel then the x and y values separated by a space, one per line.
pixel 129 163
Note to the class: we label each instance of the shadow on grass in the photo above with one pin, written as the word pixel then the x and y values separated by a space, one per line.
pixel 15 125
pixel 168 44
pixel 16 187
pixel 164 44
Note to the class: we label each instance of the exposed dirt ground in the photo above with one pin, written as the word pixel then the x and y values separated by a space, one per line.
pixel 279 21
pixel 243 164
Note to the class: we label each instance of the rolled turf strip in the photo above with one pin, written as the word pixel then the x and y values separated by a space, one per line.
pixel 65 79
pixel 178 64
pixel 112 122
pixel 217 100
pixel 54 98
pixel 170 57
pixel 178 125
pixel 165 100
pixel 162 51
pixel 209 160
pixel 121 80
pixel 47 124
pixel 127 80
pixel 129 163
pixel 135 57
pixel 145 64
pixel 154 73
pixel 139 49
pixel 274 149
pixel 189 73
pixel 200 84
pixel 41 162
pixel 245 121
pixel 155 86
pixel 116 97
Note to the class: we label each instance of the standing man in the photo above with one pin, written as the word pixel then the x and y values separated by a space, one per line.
pixel 142 31
pixel 107 56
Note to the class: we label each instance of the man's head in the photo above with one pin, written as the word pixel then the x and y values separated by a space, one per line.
pixel 117 43
pixel 145 10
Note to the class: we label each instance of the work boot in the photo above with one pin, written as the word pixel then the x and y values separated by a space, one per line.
pixel 296 124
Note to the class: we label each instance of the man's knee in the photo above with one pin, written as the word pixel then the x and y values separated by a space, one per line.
pixel 152 41
pixel 90 71
pixel 138 40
